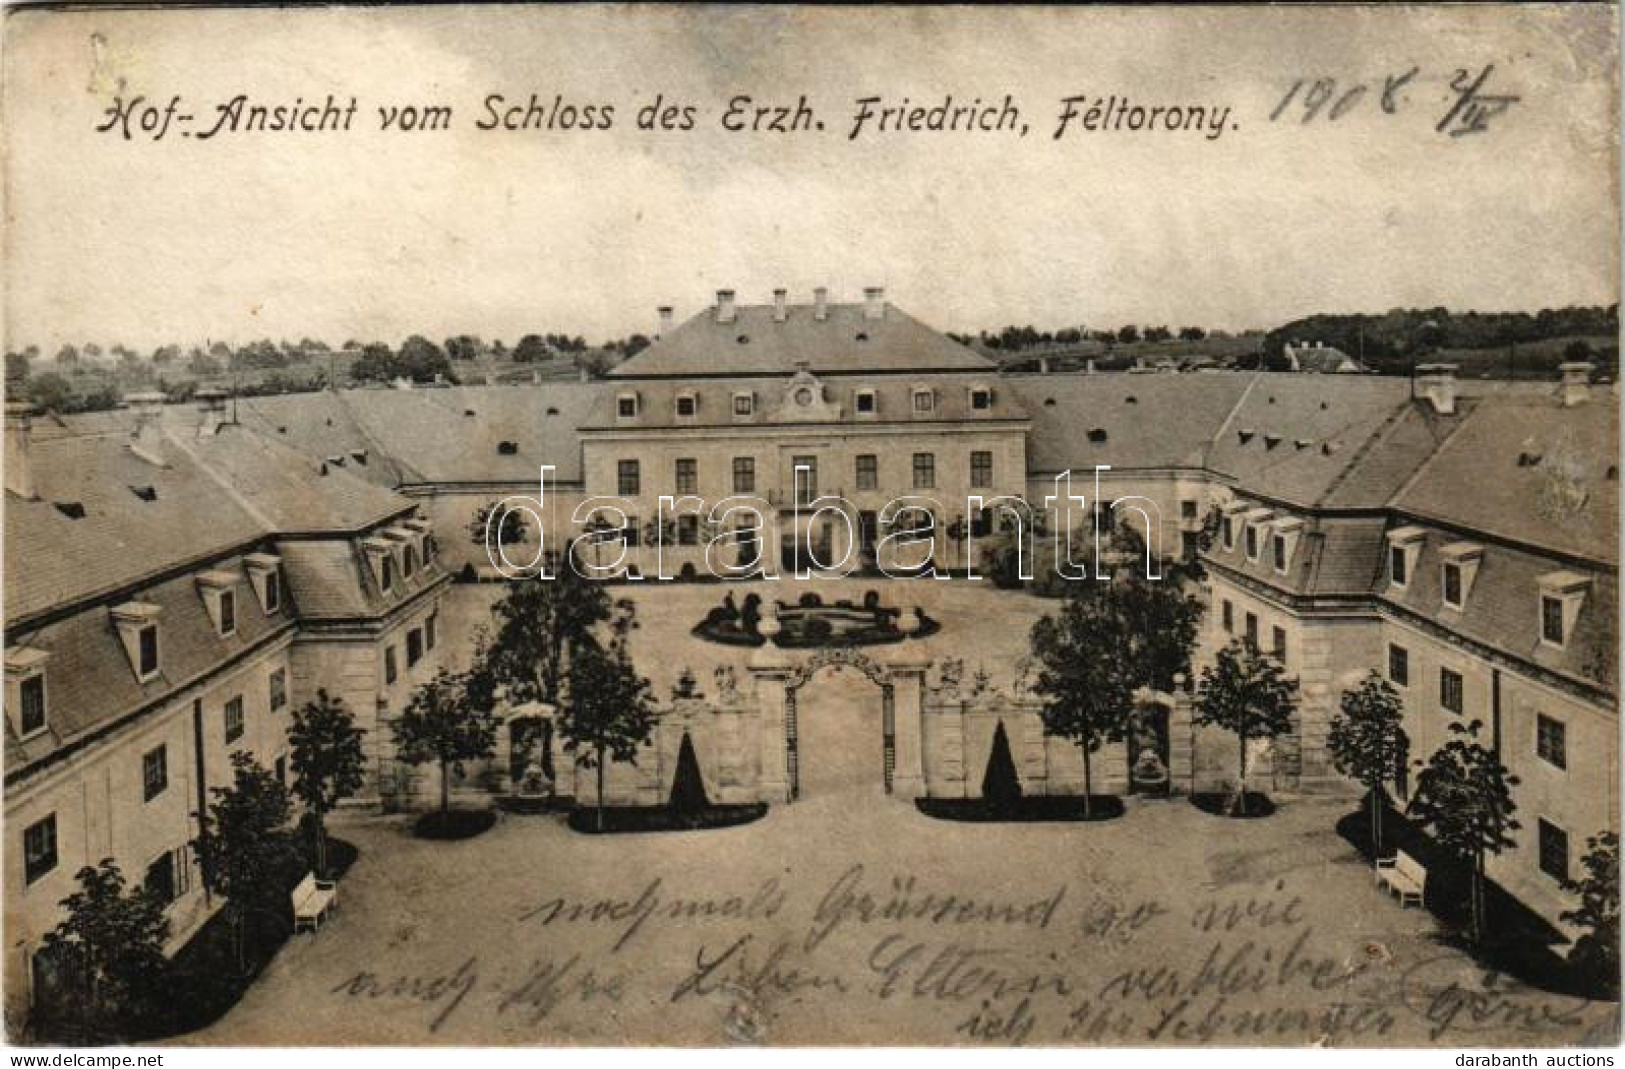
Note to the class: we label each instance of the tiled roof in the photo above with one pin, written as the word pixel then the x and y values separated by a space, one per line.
pixel 52 559
pixel 90 681
pixel 846 340
pixel 1126 421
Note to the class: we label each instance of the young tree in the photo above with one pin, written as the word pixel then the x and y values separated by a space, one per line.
pixel 1001 786
pixel 1084 674
pixel 1464 796
pixel 513 527
pixel 328 765
pixel 540 621
pixel 608 712
pixel 1595 955
pixel 688 798
pixel 1368 743
pixel 244 846
pixel 112 942
pixel 1247 693
pixel 445 724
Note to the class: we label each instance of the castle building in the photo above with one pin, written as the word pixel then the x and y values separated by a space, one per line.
pixel 1458 537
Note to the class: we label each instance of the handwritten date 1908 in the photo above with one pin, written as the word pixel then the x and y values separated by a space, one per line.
pixel 1471 106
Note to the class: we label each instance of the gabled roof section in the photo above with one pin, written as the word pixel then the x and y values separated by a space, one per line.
pixel 755 341
pixel 1527 469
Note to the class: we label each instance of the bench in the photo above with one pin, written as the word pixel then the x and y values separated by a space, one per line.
pixel 313 899
pixel 1405 876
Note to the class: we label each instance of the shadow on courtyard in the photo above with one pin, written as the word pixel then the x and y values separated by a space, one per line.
pixel 1517 941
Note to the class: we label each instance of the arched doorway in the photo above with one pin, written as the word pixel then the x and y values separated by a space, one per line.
pixel 1149 752
pixel 840 734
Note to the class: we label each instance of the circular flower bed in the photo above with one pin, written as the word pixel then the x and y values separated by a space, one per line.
pixel 811 624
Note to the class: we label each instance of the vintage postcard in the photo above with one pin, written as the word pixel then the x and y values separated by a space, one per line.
pixel 639 525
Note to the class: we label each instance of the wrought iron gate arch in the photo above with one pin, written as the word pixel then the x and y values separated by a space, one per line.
pixel 875 673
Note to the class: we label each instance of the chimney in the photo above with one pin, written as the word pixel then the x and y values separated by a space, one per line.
pixel 1576 382
pixel 665 321
pixel 725 306
pixel 147 440
pixel 820 304
pixel 19 466
pixel 1437 382
pixel 211 409
pixel 779 312
pixel 874 303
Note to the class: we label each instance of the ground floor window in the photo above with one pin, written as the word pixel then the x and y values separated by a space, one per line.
pixel 1554 850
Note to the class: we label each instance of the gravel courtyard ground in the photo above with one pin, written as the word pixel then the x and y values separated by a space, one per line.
pixel 851 918
pixel 854 919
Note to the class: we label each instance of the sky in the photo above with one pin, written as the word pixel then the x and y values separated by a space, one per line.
pixel 375 235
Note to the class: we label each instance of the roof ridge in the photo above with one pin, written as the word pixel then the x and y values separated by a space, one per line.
pixel 1218 435
pixel 1471 405
pixel 1361 451
pixel 221 481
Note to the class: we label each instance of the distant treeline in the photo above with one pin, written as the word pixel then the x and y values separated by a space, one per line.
pixel 1388 341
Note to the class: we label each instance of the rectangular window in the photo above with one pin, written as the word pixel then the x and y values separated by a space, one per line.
pixel 160 878
pixel 154 773
pixel 391 670
pixel 868 472
pixel 981 400
pixel 688 530
pixel 865 401
pixel 414 647
pixel 1278 552
pixel 868 529
pixel 981 469
pixel 1554 850
pixel 234 719
pixel 744 475
pixel 688 475
pixel 279 689
pixel 1450 690
pixel 409 562
pixel 39 848
pixel 273 591
pixel 1551 620
pixel 1396 565
pixel 228 612
pixel 925 471
pixel 804 477
pixel 743 404
pixel 1551 741
pixel 1187 509
pixel 924 400
pixel 685 406
pixel 1227 527
pixel 1189 545
pixel 431 630
pixel 1278 643
pixel 386 572
pixel 1229 618
pixel 626 406
pixel 1399 665
pixel 626 478
pixel 1452 585
pixel 147 644
pixel 1252 629
pixel 1252 542
pixel 31 695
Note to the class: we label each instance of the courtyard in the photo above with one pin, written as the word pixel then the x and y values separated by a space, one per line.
pixel 851 917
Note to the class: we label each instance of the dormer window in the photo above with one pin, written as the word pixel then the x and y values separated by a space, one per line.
pixel 687 404
pixel 744 403
pixel 1284 542
pixel 1561 595
pixel 981 398
pixel 409 561
pixel 626 406
pixel 265 575
pixel 137 623
pixel 219 590
pixel 863 402
pixel 381 555
pixel 1256 522
pixel 1404 544
pixel 25 689
pixel 925 400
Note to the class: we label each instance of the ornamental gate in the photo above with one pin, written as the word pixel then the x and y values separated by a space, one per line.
pixel 794 733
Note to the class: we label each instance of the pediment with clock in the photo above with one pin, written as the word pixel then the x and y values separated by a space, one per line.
pixel 807 401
